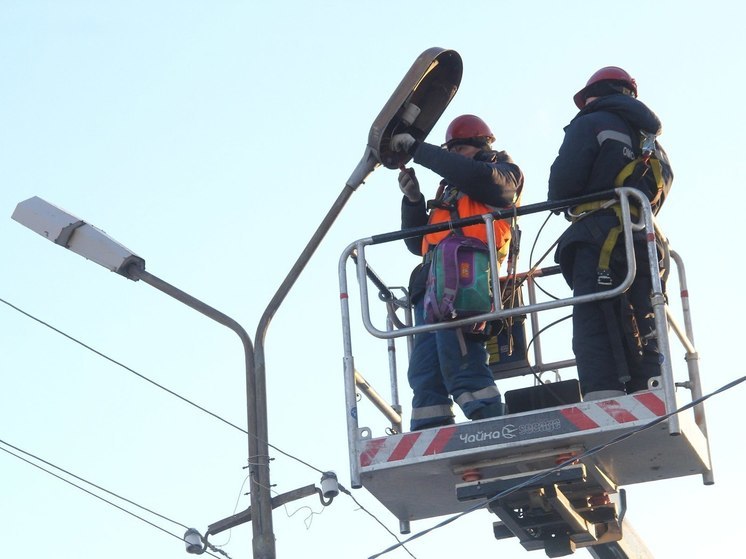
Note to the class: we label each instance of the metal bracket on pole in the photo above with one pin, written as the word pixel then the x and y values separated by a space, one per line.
pixel 245 516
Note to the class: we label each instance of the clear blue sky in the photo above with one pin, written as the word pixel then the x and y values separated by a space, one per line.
pixel 211 138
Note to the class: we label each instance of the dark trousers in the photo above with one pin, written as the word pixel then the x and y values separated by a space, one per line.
pixel 594 338
pixel 438 370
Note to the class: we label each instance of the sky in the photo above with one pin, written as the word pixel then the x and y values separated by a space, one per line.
pixel 211 138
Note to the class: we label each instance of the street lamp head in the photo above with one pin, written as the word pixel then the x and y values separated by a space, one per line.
pixel 75 234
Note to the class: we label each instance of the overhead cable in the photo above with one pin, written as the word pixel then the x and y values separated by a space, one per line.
pixel 123 509
pixel 182 398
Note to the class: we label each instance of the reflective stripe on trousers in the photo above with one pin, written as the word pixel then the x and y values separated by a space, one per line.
pixel 432 412
pixel 439 370
pixel 484 393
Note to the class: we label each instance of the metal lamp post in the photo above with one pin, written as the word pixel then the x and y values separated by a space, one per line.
pixel 415 106
pixel 90 242
pixel 73 233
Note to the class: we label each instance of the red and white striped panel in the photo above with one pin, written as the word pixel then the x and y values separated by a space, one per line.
pixel 605 413
pixel 409 445
pixel 642 407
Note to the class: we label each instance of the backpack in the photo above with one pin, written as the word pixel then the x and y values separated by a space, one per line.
pixel 458 281
pixel 649 172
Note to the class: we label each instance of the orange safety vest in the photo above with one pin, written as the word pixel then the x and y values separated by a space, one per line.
pixel 466 207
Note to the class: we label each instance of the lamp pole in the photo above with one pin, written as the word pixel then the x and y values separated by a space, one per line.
pixel 90 242
pixel 259 482
pixel 264 545
pixel 421 97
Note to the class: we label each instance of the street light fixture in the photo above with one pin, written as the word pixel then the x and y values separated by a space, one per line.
pixel 415 106
pixel 73 233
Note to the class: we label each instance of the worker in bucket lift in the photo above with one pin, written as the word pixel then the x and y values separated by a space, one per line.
pixel 610 143
pixel 476 180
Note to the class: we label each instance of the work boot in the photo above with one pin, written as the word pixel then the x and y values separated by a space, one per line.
pixel 603 395
pixel 490 410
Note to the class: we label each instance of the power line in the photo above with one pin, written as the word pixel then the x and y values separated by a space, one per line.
pixel 125 367
pixel 91 492
pixel 183 399
pixel 154 383
pixel 400 542
pixel 90 483
pixel 538 477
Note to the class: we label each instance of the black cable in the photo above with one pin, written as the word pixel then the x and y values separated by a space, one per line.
pixel 154 383
pixel 536 335
pixel 90 483
pixel 538 477
pixel 536 241
pixel 143 377
pixel 400 543
pixel 531 266
pixel 547 327
pixel 180 538
pixel 544 291
pixel 169 391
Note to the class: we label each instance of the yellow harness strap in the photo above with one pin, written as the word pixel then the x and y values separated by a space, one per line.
pixel 633 167
pixel 604 260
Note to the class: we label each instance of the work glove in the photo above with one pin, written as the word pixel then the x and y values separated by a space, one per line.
pixel 409 185
pixel 402 142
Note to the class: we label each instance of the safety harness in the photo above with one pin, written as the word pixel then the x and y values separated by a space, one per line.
pixel 447 199
pixel 444 200
pixel 645 172
pixel 603 271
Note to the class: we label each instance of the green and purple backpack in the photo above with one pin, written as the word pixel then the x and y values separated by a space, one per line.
pixel 458 282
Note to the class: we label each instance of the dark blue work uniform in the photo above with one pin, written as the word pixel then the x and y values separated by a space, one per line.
pixel 439 367
pixel 598 143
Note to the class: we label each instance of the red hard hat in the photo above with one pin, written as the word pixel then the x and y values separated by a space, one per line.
pixel 613 73
pixel 467 127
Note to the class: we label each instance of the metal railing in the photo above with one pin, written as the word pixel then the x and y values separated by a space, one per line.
pixel 397 329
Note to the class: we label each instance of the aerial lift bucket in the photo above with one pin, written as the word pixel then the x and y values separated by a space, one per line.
pixel 415 106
